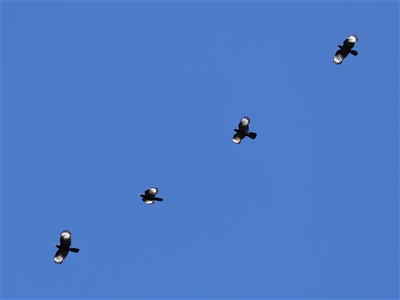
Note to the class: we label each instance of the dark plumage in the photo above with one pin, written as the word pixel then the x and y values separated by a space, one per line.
pixel 243 131
pixel 64 247
pixel 149 196
pixel 344 50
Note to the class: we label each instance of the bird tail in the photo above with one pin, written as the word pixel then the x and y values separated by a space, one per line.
pixel 354 52
pixel 76 250
pixel 252 135
pixel 158 199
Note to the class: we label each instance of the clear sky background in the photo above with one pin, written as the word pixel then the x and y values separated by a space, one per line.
pixel 104 100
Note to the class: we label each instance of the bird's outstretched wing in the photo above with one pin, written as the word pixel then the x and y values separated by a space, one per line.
pixel 149 202
pixel 151 191
pixel 61 254
pixel 350 41
pixel 237 138
pixel 244 123
pixel 65 238
pixel 339 56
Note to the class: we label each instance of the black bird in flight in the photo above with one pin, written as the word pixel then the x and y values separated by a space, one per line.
pixel 149 196
pixel 64 247
pixel 344 50
pixel 243 131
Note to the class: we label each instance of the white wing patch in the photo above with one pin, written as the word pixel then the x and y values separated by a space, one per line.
pixel 236 140
pixel 65 235
pixel 153 190
pixel 58 259
pixel 352 39
pixel 244 121
pixel 338 59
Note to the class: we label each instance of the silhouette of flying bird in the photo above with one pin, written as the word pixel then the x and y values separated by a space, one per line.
pixel 64 247
pixel 149 196
pixel 243 131
pixel 344 50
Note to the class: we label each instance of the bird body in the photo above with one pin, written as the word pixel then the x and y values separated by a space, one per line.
pixel 345 49
pixel 149 196
pixel 243 131
pixel 64 248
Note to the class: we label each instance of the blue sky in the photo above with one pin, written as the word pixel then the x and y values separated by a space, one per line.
pixel 101 101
